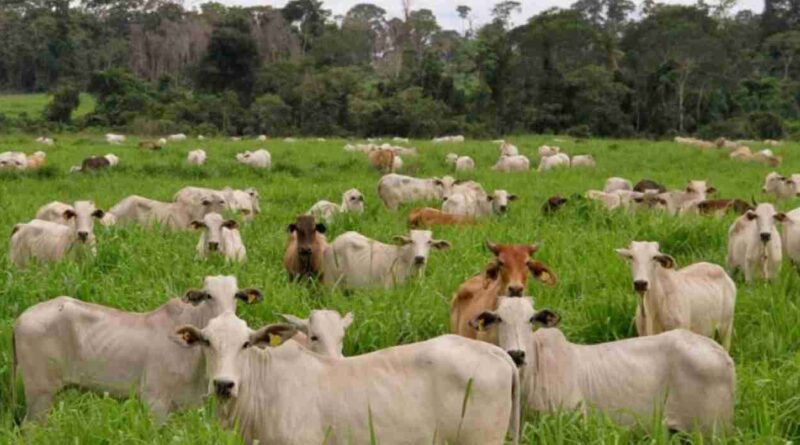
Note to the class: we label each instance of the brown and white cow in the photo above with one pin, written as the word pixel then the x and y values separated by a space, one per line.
pixel 305 248
pixel 382 160
pixel 507 274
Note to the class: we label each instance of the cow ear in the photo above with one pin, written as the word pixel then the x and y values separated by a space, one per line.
pixel 492 272
pixel 249 296
pixel 347 320
pixel 321 228
pixel 624 253
pixel 190 336
pixel 440 244
pixel 666 261
pixel 533 248
pixel 484 321
pixel 494 248
pixel 206 202
pixel 230 224
pixel 272 335
pixel 490 198
pixel 546 318
pixel 402 240
pixel 542 273
pixel 780 217
pixel 513 197
pixel 711 190
pixel 69 214
pixel 291 228
pixel 299 323
pixel 98 213
pixel 751 215
pixel 197 225
pixel 195 297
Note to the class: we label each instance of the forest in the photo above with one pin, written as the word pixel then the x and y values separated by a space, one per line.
pixel 599 68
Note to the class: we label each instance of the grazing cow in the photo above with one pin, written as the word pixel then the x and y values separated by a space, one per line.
pixel 352 202
pixel 507 149
pixel 174 215
pixel 547 150
pixel 67 342
pixel 743 153
pixel 35 160
pixel 583 161
pixel 621 199
pixel 95 163
pixel 754 244
pixel 261 138
pixel 553 204
pixel 152 145
pixel 518 163
pixel 112 138
pixel 322 332
pixel 781 186
pixel 196 157
pixel 699 297
pixel 414 393
pixel 766 157
pixel 451 159
pixel 719 207
pixel 687 379
pixel 554 161
pixel 428 217
pixel 51 240
pixel 648 184
pixel 176 137
pixel 245 202
pixel 395 189
pixel 399 139
pixel 382 160
pixel 259 158
pixel 469 199
pixel 615 183
pixel 44 140
pixel 13 160
pixel 305 248
pixel 354 261
pixel 449 139
pixel 686 200
pixel 220 235
pixel 507 274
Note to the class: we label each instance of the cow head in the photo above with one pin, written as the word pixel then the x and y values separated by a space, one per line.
pixel 219 294
pixel 515 320
pixel 500 200
pixel 511 266
pixel 419 243
pixel 764 217
pixel 82 214
pixel 226 341
pixel 699 189
pixel 353 201
pixel 305 228
pixel 645 258
pixel 325 330
pixel 212 225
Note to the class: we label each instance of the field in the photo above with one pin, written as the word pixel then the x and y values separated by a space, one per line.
pixel 33 104
pixel 137 269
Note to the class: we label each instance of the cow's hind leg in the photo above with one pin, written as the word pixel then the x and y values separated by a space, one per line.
pixel 39 401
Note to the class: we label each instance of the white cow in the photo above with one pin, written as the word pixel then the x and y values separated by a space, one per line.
pixel 507 149
pixel 196 157
pixel 180 137
pixel 464 163
pixel 112 138
pixel 448 139
pixel 686 200
pixel 412 394
pixel 790 236
pixel 322 332
pixel 259 158
pixel 46 241
pixel 547 150
pixel 699 297
pixel 67 342
pixel 754 244
pixel 518 163
pixel 261 137
pixel 113 160
pixel 13 160
pixel 395 189
pixel 686 380
pixel 44 140
pixel 781 186
pixel 174 215
pixel 352 202
pixel 162 142
pixel 583 161
pixel 451 159
pixel 220 235
pixel 397 163
pixel 553 161
pixel 36 160
pixel 354 261
pixel 616 183
pixel 470 200
pixel 245 202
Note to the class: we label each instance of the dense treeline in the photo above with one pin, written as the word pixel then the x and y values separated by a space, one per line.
pixel 599 67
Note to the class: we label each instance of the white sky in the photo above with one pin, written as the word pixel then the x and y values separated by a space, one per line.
pixel 445 10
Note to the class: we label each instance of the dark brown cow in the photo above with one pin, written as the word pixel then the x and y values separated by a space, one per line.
pixel 553 204
pixel 648 184
pixel 95 163
pixel 304 248
pixel 429 217
pixel 507 275
pixel 150 145
pixel 721 206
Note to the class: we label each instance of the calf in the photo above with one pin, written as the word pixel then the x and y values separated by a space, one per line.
pixel 355 261
pixel 305 247
pixel 508 149
pixel 507 274
pixel 554 161
pixel 686 379
pixel 547 150
pixel 352 202
pixel 35 160
pixel 382 160
pixel 781 186
pixel 67 342
pixel 516 163
pixel 615 183
pixel 220 235
pixel 428 217
pixel 754 244
pixel 583 161
pixel 196 157
pixel 464 163
pixel 409 402
pixel 173 215
pixel 322 332
pixel 48 241
pixel 699 297
pixel 719 207
pixel 244 202
pixel 259 158
pixel 470 200
pixel 94 163
pixel 396 189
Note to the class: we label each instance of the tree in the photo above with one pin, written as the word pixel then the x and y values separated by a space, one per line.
pixel 309 18
pixel 786 46
pixel 464 13
pixel 65 100
pixel 231 59
pixel 502 11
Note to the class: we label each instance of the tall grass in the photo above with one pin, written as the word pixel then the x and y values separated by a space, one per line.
pixel 139 269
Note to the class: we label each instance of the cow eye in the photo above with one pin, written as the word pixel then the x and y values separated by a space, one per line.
pixel 314 338
pixel 246 345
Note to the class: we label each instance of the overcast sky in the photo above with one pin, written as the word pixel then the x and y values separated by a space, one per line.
pixel 445 10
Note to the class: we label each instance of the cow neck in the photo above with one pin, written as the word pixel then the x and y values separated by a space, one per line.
pixel 187 314
pixel 662 297
pixel 402 264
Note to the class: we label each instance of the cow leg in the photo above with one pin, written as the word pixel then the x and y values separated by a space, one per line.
pixel 159 406
pixel 39 402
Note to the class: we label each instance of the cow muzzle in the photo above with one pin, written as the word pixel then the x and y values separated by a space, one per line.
pixel 83 236
pixel 640 286
pixel 213 247
pixel 766 237
pixel 515 290
pixel 223 388
pixel 503 209
pixel 518 357
pixel 419 260
pixel 304 251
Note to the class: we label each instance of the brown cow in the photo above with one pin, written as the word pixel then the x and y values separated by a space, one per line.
pixel 507 275
pixel 382 160
pixel 95 163
pixel 429 217
pixel 304 248
pixel 150 145
pixel 719 207
pixel 553 204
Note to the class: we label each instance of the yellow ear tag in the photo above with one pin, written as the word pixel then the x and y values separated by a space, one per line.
pixel 251 298
pixel 274 340
pixel 544 276
pixel 187 337
pixel 480 325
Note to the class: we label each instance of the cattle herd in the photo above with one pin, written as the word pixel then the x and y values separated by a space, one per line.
pixel 505 357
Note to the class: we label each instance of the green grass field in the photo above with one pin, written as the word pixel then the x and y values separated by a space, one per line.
pixel 33 104
pixel 138 270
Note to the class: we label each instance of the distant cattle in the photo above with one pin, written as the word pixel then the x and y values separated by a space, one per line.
pixel 555 161
pixel 648 184
pixel 583 161
pixel 176 137
pixel 547 150
pixel 553 204
pixel 196 157
pixel 382 160
pixel 244 202
pixel 448 139
pixel 13 160
pixel 305 248
pixel 782 187
pixel 36 160
pixel 428 217
pixel 720 207
pixel 95 163
pixel 754 243
pixel 395 189
pixel 352 202
pixel 259 158
pixel 44 140
pixel 471 200
pixel 174 215
pixel 615 183
pixel 112 138
pixel 507 149
pixel 152 145
pixel 516 163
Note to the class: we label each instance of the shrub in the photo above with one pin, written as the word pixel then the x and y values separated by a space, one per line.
pixel 271 115
pixel 65 100
pixel 765 125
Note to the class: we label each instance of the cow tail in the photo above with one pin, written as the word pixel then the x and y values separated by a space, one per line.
pixel 13 368
pixel 516 410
